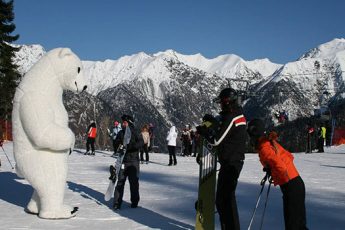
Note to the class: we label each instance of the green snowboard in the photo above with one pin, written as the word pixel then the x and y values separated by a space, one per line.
pixel 205 206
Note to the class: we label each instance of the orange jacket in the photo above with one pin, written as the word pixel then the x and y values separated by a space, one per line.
pixel 278 159
pixel 92 132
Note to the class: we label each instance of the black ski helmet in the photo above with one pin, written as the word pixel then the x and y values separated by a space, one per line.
pixel 256 128
pixel 228 97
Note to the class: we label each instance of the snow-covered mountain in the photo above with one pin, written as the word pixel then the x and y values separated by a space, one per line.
pixel 304 85
pixel 171 88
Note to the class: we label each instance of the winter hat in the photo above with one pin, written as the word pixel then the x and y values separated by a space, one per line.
pixel 127 118
pixel 256 128
pixel 227 95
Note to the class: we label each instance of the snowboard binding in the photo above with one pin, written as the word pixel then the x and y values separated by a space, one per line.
pixel 112 171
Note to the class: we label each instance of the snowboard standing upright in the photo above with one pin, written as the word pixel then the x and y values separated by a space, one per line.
pixel 115 170
pixel 205 206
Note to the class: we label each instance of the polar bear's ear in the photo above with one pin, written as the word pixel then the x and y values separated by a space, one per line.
pixel 65 52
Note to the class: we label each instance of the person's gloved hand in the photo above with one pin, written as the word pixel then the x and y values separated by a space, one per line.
pixel 202 130
pixel 267 170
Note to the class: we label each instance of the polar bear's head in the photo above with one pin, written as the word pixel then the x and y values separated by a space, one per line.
pixel 68 68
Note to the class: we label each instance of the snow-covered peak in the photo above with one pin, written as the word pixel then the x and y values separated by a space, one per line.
pixel 27 56
pixel 325 50
pixel 264 66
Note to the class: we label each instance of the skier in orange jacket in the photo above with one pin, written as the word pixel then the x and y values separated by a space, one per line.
pixel 91 136
pixel 278 162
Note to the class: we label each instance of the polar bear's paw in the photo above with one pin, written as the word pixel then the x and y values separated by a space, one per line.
pixel 65 212
pixel 32 207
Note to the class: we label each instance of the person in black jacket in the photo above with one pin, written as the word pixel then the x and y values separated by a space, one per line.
pixel 130 167
pixel 228 133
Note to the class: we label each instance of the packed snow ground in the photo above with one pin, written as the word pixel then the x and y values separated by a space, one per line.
pixel 168 194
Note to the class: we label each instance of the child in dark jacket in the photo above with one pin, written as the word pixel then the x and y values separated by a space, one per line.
pixel 279 163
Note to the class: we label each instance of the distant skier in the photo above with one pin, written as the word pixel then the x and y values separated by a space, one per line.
pixel 310 134
pixel 130 165
pixel 152 136
pixel 321 135
pixel 228 132
pixel 145 149
pixel 91 136
pixel 186 141
pixel 113 134
pixel 278 162
pixel 171 138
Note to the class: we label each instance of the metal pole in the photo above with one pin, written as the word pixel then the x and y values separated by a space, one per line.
pixel 7 157
pixel 262 183
pixel 263 213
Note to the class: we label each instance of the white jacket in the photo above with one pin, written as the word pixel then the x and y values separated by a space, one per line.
pixel 172 135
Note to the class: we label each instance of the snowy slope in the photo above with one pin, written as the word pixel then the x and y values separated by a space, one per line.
pixel 168 194
pixel 325 50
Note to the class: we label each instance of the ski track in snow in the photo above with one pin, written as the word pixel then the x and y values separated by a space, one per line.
pixel 168 193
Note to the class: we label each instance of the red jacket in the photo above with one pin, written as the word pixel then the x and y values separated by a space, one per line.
pixel 92 132
pixel 278 159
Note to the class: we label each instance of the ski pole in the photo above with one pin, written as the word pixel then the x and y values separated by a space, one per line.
pixel 263 212
pixel 262 183
pixel 7 157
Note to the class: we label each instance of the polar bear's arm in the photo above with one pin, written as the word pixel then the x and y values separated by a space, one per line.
pixel 37 119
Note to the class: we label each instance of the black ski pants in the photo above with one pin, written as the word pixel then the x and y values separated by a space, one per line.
pixel 294 204
pixel 131 170
pixel 116 144
pixel 320 143
pixel 90 142
pixel 226 198
pixel 172 154
pixel 144 149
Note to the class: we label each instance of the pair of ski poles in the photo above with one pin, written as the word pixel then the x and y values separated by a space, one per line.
pixel 262 183
pixel 6 155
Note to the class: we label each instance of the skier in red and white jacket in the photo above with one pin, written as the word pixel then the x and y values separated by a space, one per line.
pixel 228 134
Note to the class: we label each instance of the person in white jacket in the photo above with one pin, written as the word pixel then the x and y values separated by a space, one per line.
pixel 171 138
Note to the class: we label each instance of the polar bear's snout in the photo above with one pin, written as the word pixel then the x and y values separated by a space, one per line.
pixel 84 87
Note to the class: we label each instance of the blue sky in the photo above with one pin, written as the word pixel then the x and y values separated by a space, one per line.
pixel 281 30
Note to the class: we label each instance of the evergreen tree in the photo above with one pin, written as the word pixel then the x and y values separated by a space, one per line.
pixel 9 75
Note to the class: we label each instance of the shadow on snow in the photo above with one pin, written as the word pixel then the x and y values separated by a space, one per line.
pixel 141 215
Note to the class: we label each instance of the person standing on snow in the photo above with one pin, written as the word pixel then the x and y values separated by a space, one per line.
pixel 91 136
pixel 228 134
pixel 145 148
pixel 278 162
pixel 130 167
pixel 185 138
pixel 171 138
pixel 321 134
pixel 113 134
pixel 310 136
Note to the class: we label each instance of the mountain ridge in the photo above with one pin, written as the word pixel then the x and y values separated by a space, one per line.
pixel 173 88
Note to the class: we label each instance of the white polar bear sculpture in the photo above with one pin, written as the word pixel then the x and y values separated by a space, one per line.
pixel 41 137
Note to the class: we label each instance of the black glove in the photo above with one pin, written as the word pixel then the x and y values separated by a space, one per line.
pixel 267 170
pixel 202 130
